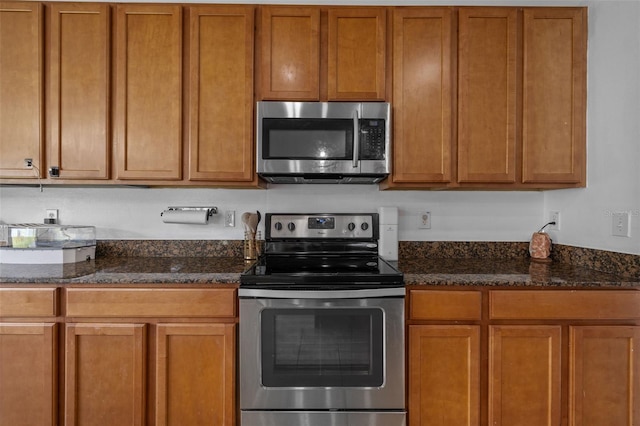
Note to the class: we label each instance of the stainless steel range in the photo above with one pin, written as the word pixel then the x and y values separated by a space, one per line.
pixel 322 326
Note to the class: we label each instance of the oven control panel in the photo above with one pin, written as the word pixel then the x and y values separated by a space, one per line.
pixel 323 225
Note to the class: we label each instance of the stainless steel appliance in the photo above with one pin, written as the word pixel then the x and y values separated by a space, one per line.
pixel 323 142
pixel 322 326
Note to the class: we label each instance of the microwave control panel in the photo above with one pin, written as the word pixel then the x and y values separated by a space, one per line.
pixel 372 139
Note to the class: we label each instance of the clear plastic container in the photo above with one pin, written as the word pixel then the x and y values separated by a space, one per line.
pixel 37 236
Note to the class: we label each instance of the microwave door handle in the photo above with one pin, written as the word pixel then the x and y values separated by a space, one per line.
pixel 356 138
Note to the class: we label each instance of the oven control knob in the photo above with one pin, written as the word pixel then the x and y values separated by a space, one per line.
pixel 364 226
pixel 278 226
pixel 351 226
pixel 291 226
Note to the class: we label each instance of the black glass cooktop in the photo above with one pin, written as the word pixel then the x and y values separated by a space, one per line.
pixel 336 270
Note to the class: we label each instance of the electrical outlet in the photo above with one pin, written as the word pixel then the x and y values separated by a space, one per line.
pixel 620 225
pixel 554 216
pixel 424 220
pixel 230 218
pixel 28 163
pixel 51 216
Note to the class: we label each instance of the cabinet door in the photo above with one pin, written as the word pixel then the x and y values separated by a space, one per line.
pixel 524 375
pixel 78 96
pixel 21 96
pixel 487 71
pixel 356 53
pixel 604 379
pixel 105 375
pixel 28 393
pixel 444 375
pixel 221 93
pixel 554 104
pixel 290 53
pixel 195 374
pixel 422 93
pixel 148 111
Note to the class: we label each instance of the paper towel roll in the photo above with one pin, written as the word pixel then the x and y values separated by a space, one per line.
pixel 199 217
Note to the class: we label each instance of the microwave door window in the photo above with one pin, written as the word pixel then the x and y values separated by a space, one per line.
pixel 307 139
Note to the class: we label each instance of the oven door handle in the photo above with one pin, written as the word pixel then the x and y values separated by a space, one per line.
pixel 321 294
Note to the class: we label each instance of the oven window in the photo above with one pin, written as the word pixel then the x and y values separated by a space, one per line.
pixel 307 139
pixel 328 347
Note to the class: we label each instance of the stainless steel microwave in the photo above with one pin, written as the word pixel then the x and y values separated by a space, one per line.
pixel 323 142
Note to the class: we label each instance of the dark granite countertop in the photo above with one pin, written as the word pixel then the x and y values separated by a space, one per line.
pixel 223 270
pixel 510 272
pixel 130 270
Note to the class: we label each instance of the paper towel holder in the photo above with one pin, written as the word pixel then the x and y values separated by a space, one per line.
pixel 210 210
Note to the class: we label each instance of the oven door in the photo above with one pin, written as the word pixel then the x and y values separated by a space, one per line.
pixel 306 351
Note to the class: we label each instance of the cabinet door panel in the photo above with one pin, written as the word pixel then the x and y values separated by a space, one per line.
pixel 221 93
pixel 79 90
pixel 21 96
pixel 487 74
pixel 356 54
pixel 105 379
pixel 195 374
pixel 554 95
pixel 290 52
pixel 524 375
pixel 422 95
pixel 604 376
pixel 444 375
pixel 148 116
pixel 28 394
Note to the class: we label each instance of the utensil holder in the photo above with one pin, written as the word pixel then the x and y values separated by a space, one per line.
pixel 253 245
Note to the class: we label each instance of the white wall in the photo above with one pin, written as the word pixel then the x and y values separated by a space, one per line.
pixel 613 134
pixel 613 174
pixel 134 213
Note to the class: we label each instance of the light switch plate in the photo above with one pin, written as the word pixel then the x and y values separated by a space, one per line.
pixel 230 218
pixel 620 225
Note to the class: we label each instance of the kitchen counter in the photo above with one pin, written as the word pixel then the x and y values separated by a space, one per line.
pixel 511 272
pixel 227 270
pixel 130 270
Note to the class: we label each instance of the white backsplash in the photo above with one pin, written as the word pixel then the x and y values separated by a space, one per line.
pixel 134 213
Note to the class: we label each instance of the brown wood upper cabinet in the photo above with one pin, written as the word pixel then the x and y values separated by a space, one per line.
pixel 148 92
pixel 554 96
pixel 487 74
pixel 520 88
pixel 422 96
pixel 314 53
pixel 78 126
pixel 21 89
pixel 220 109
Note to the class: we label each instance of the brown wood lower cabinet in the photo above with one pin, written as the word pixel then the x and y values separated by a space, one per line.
pixel 28 374
pixel 195 374
pixel 158 356
pixel 444 374
pixel 105 374
pixel 524 375
pixel 523 357
pixel 128 355
pixel 605 375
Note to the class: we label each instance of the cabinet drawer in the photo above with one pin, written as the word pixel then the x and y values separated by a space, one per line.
pixel 28 302
pixel 564 304
pixel 150 302
pixel 445 305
